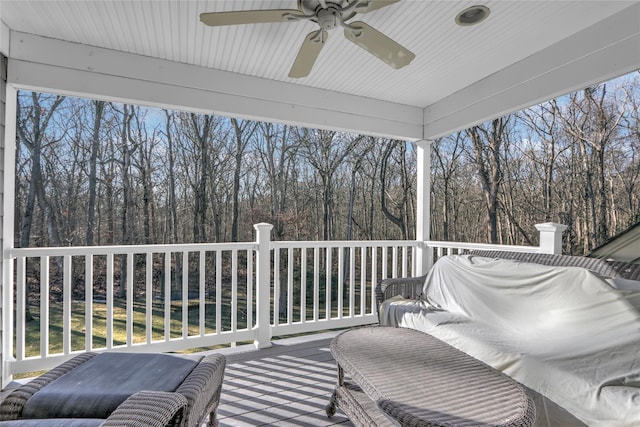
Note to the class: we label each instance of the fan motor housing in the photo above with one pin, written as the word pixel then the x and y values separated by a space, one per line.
pixel 311 7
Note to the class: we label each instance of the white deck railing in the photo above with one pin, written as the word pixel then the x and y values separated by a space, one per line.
pixel 177 297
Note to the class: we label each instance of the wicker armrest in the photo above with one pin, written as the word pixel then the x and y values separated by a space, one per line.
pixel 149 409
pixel 202 390
pixel 410 287
pixel 11 407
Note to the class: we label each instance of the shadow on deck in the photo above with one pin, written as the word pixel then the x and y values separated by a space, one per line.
pixel 288 384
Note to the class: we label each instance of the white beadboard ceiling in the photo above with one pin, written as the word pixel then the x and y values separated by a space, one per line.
pixel 448 59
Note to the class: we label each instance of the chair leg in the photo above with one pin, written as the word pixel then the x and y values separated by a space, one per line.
pixel 213 420
pixel 330 409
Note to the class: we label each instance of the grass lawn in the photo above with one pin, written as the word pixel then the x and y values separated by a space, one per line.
pixel 32 332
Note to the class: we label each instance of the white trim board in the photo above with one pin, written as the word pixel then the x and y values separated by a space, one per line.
pixel 40 63
pixel 601 52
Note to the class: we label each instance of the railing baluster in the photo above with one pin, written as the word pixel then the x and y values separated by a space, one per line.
pixel 363 279
pixel 303 289
pixel 414 261
pixel 327 283
pixel 148 300
pixel 249 290
pixel 201 293
pixel 352 281
pixel 394 266
pixel 66 305
pixel 88 302
pixel 316 283
pixel 167 296
pixel 218 292
pixel 21 291
pixel 109 315
pixel 384 261
pixel 44 306
pixel 290 284
pixel 130 294
pixel 185 294
pixel 340 282
pixel 276 287
pixel 234 290
pixel 405 260
pixel 374 277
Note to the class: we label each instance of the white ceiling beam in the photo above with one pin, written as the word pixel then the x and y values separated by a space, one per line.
pixel 601 52
pixel 40 63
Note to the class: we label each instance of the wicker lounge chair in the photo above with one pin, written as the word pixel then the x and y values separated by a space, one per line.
pixel 143 409
pixel 561 325
pixel 111 389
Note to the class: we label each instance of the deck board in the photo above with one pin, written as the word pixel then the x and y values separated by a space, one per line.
pixel 288 384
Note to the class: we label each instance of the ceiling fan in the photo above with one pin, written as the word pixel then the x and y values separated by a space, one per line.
pixel 328 14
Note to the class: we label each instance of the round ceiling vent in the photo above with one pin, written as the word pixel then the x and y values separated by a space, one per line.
pixel 472 15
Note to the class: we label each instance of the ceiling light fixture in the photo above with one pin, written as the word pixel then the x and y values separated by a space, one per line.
pixel 472 15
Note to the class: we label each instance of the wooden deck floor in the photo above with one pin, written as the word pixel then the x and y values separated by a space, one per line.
pixel 288 384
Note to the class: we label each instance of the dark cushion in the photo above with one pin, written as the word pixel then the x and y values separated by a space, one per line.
pixel 54 422
pixel 96 388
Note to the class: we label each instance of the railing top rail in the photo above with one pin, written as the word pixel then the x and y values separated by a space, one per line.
pixel 197 247
pixel 126 249
pixel 481 246
pixel 343 243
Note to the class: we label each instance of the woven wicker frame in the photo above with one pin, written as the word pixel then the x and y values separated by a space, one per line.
pixel 410 378
pixel 196 398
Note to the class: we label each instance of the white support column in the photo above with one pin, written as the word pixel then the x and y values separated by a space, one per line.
pixel 7 176
pixel 423 205
pixel 263 285
pixel 551 237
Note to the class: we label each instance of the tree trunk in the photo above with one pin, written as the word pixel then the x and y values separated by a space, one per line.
pixel 243 132
pixel 398 220
pixel 173 209
pixel 95 144
pixel 487 144
pixel 125 225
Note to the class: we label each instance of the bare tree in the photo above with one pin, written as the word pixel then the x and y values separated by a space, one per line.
pixel 102 167
pixel 447 154
pixel 243 132
pixel 32 133
pixel 146 142
pixel 401 190
pixel 172 204
pixel 278 155
pixel 592 122
pixel 487 142
pixel 326 151
pixel 95 145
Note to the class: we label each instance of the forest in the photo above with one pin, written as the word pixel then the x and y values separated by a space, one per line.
pixel 92 172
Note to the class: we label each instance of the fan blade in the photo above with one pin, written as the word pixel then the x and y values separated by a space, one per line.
pixel 216 19
pixel 374 5
pixel 308 54
pixel 379 45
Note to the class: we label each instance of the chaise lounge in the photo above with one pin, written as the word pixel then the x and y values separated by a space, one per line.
pixel 124 389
